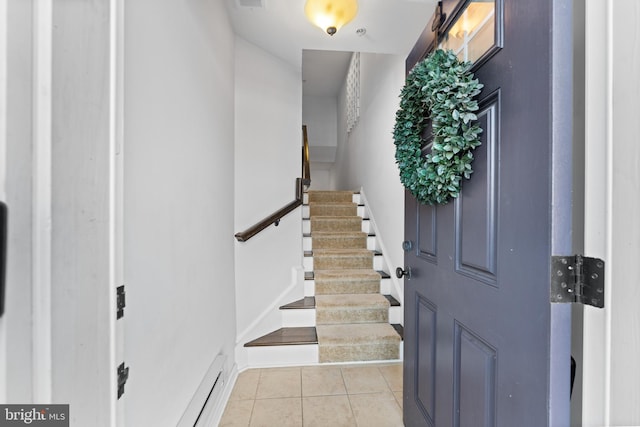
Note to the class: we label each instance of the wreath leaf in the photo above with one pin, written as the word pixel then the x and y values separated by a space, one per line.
pixel 441 89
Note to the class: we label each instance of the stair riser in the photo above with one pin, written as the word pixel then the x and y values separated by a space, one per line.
pixel 396 315
pixel 340 242
pixel 360 211
pixel 307 243
pixel 329 210
pixel 293 355
pixel 282 355
pixel 365 226
pixel 363 352
pixel 293 318
pixel 331 197
pixel 355 198
pixel 361 315
pixel 308 263
pixel 310 288
pixel 335 262
pixel 338 225
pixel 337 288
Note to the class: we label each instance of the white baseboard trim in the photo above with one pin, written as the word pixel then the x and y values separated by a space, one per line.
pixel 297 279
pixel 397 287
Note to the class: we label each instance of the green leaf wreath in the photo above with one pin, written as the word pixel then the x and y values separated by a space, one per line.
pixel 440 88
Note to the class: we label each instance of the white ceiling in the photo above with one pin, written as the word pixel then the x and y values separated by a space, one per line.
pixel 280 27
pixel 324 71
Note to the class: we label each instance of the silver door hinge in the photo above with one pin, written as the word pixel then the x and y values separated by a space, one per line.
pixel 577 278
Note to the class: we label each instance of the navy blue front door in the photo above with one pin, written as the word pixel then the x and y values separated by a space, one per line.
pixel 483 344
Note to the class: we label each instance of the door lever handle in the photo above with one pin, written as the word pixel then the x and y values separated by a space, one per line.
pixel 400 273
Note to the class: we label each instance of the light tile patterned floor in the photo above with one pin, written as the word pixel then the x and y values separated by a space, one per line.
pixel 325 396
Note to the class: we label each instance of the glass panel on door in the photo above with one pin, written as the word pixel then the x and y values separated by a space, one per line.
pixel 474 31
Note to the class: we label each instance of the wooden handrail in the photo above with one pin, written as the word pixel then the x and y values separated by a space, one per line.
pixel 275 217
pixel 306 170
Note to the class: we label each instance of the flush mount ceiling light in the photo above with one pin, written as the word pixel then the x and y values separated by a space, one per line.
pixel 331 15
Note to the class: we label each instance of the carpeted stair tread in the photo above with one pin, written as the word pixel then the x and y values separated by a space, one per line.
pixel 344 250
pixel 337 240
pixel 341 251
pixel 331 203
pixel 359 333
pixel 355 287
pixel 358 352
pixel 357 342
pixel 351 308
pixel 310 275
pixel 346 274
pixel 351 301
pixel 347 285
pixel 330 196
pixel 338 232
pixel 335 223
pixel 331 233
pixel 346 281
pixel 330 259
pixel 310 302
pixel 333 209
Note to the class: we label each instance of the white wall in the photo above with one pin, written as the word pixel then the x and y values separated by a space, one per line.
pixel 268 129
pixel 320 114
pixel 321 177
pixel 366 157
pixel 16 168
pixel 179 202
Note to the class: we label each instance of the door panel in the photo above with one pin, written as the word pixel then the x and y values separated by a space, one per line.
pixel 428 229
pixel 476 219
pixel 481 336
pixel 474 379
pixel 426 374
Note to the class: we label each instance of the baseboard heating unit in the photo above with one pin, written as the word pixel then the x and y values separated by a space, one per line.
pixel 207 396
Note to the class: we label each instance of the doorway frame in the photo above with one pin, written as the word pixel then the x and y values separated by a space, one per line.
pixel 610 206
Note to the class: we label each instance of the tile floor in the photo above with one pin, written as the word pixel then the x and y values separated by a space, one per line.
pixel 324 396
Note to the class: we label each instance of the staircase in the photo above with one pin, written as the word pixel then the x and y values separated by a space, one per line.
pixel 348 314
